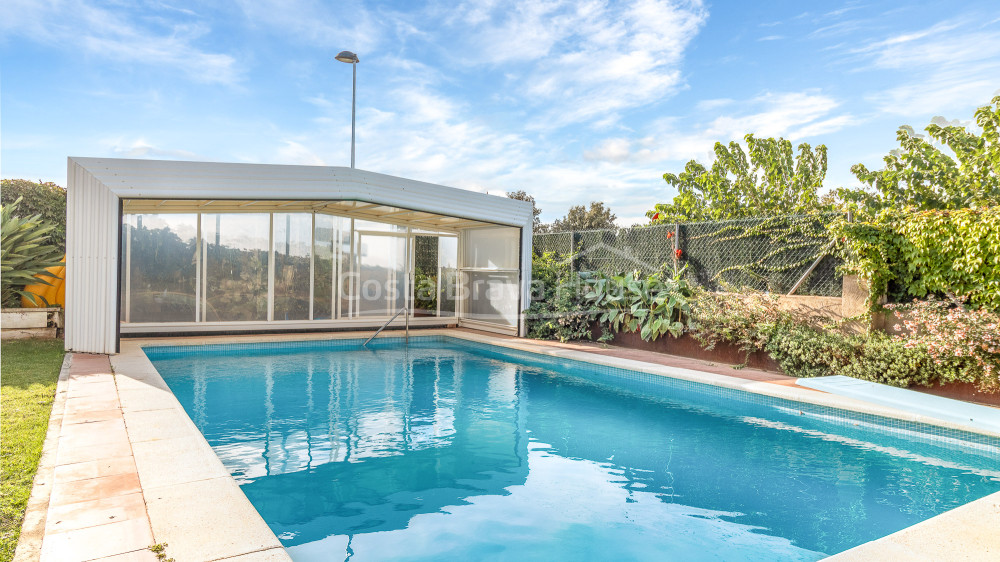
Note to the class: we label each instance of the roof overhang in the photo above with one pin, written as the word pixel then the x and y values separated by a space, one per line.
pixel 145 185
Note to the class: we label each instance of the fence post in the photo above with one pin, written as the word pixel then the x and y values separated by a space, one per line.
pixel 572 251
pixel 677 244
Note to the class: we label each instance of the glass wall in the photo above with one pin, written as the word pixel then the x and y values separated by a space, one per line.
pixel 236 268
pixel 161 266
pixel 293 235
pixel 325 263
pixel 258 267
pixel 490 272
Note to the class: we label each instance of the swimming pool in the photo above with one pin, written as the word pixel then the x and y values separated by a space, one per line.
pixel 455 449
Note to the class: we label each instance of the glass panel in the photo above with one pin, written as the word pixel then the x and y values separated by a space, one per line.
pixel 372 226
pixel 160 255
pixel 492 248
pixel 448 283
pixel 493 297
pixel 236 266
pixel 380 276
pixel 348 276
pixel 425 275
pixel 324 264
pixel 292 251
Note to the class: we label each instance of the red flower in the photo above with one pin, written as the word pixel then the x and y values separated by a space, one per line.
pixel 656 216
pixel 670 235
pixel 678 253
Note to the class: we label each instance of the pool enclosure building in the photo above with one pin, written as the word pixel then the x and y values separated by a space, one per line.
pixel 170 247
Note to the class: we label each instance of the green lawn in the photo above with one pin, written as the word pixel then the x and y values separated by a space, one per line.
pixel 28 375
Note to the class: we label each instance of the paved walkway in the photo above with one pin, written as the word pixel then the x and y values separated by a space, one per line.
pixel 124 468
pixel 96 509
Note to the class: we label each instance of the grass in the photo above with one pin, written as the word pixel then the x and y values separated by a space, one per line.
pixel 29 370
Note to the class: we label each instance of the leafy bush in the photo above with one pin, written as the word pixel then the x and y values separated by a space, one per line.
pixel 45 199
pixel 746 321
pixel 803 351
pixel 558 309
pixel 946 345
pixel 25 251
pixel 966 341
pixel 885 359
pixel 653 306
pixel 906 254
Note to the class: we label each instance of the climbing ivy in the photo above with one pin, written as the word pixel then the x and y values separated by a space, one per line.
pixel 906 253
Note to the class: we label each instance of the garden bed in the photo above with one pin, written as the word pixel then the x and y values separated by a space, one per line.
pixel 728 354
pixel 687 346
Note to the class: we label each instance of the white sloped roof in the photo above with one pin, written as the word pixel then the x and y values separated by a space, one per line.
pixel 207 182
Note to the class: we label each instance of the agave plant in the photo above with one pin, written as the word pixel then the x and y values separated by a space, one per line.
pixel 653 306
pixel 25 252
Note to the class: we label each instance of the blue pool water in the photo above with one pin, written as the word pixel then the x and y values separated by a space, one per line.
pixel 454 450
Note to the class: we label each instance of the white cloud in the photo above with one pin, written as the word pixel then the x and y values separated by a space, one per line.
pixel 141 148
pixel 111 34
pixel 593 58
pixel 336 26
pixel 945 68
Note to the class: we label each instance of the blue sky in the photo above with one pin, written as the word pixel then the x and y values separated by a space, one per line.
pixel 570 101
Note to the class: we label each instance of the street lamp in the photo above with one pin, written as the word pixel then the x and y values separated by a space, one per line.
pixel 352 59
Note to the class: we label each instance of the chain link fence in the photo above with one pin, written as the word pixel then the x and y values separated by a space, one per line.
pixel 764 254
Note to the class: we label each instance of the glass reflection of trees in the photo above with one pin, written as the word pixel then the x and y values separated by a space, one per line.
pixel 161 257
pixel 163 268
pixel 235 267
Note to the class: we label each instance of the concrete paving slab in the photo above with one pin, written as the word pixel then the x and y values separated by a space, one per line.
pixel 94 469
pixel 153 425
pixel 80 515
pixel 92 416
pixel 144 555
pixel 174 461
pixel 64 493
pixel 148 398
pixel 215 524
pixel 97 542
pixel 96 433
pixel 69 454
pixel 83 404
pixel 269 555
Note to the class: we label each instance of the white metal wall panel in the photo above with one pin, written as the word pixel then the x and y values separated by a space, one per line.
pixel 526 233
pixel 91 263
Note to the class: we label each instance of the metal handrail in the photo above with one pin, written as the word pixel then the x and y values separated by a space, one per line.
pixel 387 322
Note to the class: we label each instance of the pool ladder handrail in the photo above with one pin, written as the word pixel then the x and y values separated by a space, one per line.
pixel 387 322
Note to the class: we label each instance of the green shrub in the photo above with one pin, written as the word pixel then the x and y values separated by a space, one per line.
pixel 885 359
pixel 25 251
pixel 962 340
pixel 746 321
pixel 558 310
pixel 653 306
pixel 802 351
pixel 906 254
pixel 45 199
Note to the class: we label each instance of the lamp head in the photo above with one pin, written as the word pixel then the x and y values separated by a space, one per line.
pixel 348 57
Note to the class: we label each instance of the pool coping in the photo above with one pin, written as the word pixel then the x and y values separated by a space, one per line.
pixel 136 369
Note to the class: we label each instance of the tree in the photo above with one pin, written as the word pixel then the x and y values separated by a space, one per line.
pixel 522 195
pixel 47 200
pixel 582 218
pixel 769 181
pixel 919 174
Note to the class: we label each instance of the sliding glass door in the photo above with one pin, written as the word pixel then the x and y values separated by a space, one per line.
pixel 282 267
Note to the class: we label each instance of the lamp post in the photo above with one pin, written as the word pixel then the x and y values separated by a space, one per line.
pixel 352 59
